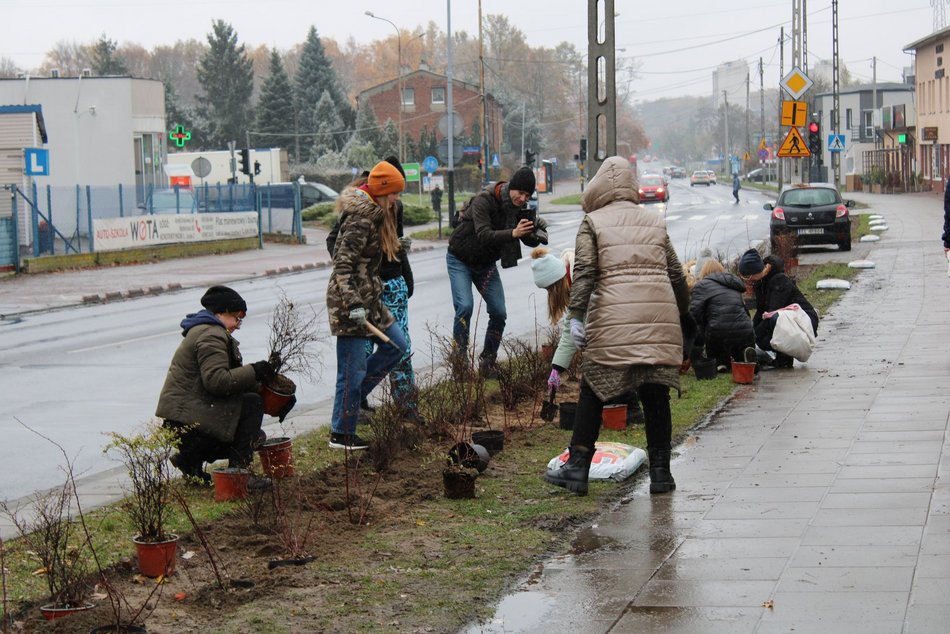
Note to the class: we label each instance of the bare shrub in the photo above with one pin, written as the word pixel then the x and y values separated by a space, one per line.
pixel 294 329
pixel 523 373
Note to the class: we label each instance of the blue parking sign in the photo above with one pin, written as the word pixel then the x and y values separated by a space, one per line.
pixel 36 161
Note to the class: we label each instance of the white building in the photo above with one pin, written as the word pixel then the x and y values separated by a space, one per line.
pixel 730 81
pixel 102 132
pixel 866 125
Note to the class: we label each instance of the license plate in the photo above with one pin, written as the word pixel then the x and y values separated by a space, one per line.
pixel 810 232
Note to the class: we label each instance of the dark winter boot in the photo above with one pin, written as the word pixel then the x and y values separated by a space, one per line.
pixel 192 467
pixel 661 480
pixel 572 475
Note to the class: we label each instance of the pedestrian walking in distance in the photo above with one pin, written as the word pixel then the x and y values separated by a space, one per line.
pixel 736 186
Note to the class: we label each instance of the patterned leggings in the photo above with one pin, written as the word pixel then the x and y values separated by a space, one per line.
pixel 401 378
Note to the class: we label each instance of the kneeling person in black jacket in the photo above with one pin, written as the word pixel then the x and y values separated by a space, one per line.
pixel 724 324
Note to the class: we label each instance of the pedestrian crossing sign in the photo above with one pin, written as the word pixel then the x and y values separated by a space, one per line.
pixel 836 143
pixel 794 146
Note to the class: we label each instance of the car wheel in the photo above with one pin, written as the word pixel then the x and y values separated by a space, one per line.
pixel 845 245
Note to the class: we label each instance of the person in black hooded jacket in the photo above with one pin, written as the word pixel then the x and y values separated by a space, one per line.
pixel 491 228
pixel 773 290
pixel 724 324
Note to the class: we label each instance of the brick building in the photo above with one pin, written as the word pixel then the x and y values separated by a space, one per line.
pixel 425 103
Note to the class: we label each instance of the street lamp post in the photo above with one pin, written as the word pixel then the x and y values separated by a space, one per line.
pixel 402 156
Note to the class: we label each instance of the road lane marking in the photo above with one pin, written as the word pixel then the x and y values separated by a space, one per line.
pixel 120 343
pixel 673 217
pixel 699 217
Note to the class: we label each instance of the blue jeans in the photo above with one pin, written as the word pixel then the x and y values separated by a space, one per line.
pixel 487 281
pixel 357 374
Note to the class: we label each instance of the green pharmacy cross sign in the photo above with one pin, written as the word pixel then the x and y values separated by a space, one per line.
pixel 179 135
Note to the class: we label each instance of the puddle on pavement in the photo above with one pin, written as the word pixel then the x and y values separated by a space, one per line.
pixel 588 541
pixel 517 612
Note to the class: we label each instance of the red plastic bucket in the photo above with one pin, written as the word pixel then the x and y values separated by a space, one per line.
pixel 230 484
pixel 743 373
pixel 277 459
pixel 615 417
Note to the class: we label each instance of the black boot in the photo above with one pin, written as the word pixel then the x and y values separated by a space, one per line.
pixel 572 475
pixel 192 467
pixel 661 480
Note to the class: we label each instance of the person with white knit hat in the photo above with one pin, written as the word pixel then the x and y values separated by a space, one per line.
pixel 554 274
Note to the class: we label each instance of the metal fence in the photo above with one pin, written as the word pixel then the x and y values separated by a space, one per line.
pixel 59 219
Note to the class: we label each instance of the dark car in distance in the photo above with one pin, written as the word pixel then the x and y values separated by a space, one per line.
pixel 814 213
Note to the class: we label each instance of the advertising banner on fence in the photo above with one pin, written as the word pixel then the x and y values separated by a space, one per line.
pixel 143 231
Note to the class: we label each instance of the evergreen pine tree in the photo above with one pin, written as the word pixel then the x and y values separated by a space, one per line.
pixel 368 129
pixel 328 131
pixel 275 110
pixel 315 75
pixel 227 81
pixel 177 114
pixel 104 59
pixel 389 144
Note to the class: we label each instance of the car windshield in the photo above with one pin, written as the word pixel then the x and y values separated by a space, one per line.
pixel 167 201
pixel 811 197
pixel 651 181
pixel 326 191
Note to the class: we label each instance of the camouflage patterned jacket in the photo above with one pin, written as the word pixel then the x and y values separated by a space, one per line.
pixel 355 279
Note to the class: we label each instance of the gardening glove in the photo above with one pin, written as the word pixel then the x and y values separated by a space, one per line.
pixel 578 334
pixel 263 371
pixel 358 315
pixel 554 380
pixel 275 360
pixel 286 408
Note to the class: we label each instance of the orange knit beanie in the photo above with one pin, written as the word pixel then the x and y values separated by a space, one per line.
pixel 385 179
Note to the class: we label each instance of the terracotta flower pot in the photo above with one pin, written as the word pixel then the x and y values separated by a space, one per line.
pixel 743 373
pixel 276 394
pixel 277 459
pixel 230 484
pixel 51 612
pixel 615 417
pixel 157 558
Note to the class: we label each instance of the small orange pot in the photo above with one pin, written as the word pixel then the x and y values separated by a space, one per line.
pixel 50 612
pixel 157 558
pixel 743 373
pixel 277 459
pixel 230 484
pixel 615 417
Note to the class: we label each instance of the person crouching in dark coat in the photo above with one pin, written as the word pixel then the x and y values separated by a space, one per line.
pixel 773 290
pixel 725 328
pixel 209 395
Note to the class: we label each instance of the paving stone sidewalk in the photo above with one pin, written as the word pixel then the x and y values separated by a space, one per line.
pixel 817 500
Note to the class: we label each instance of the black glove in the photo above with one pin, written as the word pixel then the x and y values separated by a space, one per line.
pixel 263 371
pixel 275 360
pixel 286 408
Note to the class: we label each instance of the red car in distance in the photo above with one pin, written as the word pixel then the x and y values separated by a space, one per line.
pixel 653 187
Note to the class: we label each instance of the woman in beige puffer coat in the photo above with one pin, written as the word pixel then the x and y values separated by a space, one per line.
pixel 627 298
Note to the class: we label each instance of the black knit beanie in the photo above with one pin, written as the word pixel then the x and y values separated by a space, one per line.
pixel 221 299
pixel 750 263
pixel 522 180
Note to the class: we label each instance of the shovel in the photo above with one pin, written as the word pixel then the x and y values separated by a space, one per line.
pixel 548 408
pixel 382 336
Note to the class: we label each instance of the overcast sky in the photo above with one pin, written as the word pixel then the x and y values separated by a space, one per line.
pixel 678 43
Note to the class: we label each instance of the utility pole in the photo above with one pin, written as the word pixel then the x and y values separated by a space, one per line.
pixel 450 172
pixel 748 94
pixel 781 76
pixel 725 109
pixel 874 100
pixel 836 105
pixel 761 101
pixel 481 90
pixel 601 86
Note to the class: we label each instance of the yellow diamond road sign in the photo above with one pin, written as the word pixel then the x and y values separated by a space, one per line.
pixel 796 83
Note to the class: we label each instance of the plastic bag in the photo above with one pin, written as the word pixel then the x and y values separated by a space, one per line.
pixel 793 333
pixel 612 461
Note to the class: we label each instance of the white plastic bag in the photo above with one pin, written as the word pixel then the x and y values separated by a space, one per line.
pixel 612 461
pixel 793 334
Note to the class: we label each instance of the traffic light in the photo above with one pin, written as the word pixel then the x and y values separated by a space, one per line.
pixel 257 168
pixel 814 139
pixel 529 157
pixel 244 161
pixel 583 152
